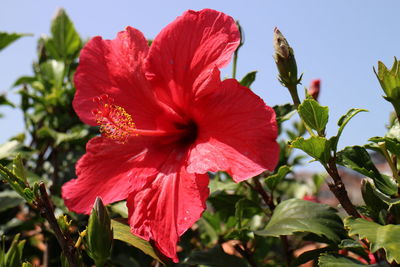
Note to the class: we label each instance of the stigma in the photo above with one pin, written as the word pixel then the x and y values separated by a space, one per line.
pixel 118 125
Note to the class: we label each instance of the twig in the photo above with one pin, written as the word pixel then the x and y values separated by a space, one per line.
pixel 245 254
pixel 267 198
pixel 46 209
pixel 270 202
pixel 286 250
pixel 339 189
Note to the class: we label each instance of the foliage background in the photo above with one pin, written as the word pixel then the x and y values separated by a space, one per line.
pixel 55 140
pixel 337 41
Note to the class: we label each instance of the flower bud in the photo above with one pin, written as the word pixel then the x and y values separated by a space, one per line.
pixel 314 89
pixel 99 234
pixel 285 60
pixel 390 83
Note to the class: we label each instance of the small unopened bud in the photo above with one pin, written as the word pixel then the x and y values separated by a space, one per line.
pixel 314 89
pixel 390 83
pixel 285 60
pixel 99 234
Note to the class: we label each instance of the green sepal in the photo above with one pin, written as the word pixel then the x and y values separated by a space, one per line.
pixel 390 83
pixel 99 234
pixel 248 79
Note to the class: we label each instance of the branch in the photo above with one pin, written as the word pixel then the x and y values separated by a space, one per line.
pixel 46 209
pixel 339 190
pixel 246 254
pixel 270 202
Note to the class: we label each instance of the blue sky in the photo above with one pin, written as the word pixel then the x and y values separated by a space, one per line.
pixel 336 41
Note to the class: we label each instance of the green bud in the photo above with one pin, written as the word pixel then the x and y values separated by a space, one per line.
pixel 285 61
pixel 390 83
pixel 99 234
pixel 27 264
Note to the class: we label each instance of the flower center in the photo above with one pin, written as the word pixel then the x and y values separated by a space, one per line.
pixel 117 124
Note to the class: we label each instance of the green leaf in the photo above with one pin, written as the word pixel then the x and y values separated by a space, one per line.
pixel 391 144
pixel 318 181
pixel 343 122
pixel 24 80
pixel 284 112
pixel 224 204
pixel 221 182
pixel 14 254
pixel 9 149
pixel 296 215
pixel 60 137
pixel 9 199
pixel 53 72
pixel 358 159
pixel 7 38
pixel 273 180
pixel 209 228
pixel 394 131
pixel 315 146
pixel 248 79
pixel 246 208
pixel 15 183
pixel 120 208
pixel 310 255
pixel 122 232
pixel 379 236
pixel 215 257
pixel 65 41
pixel 4 101
pixel 314 115
pixel 333 260
pixel 355 247
pixel 18 168
pixel 371 198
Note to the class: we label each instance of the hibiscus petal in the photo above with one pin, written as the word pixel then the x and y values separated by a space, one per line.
pixel 169 203
pixel 189 49
pixel 236 132
pixel 103 171
pixel 114 67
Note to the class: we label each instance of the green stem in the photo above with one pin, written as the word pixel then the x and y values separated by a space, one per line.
pixel 294 95
pixel 393 168
pixel 234 64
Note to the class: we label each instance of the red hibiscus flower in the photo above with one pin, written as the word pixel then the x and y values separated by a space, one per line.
pixel 166 120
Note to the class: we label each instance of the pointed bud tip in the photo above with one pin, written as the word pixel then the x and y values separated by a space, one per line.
pixel 59 11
